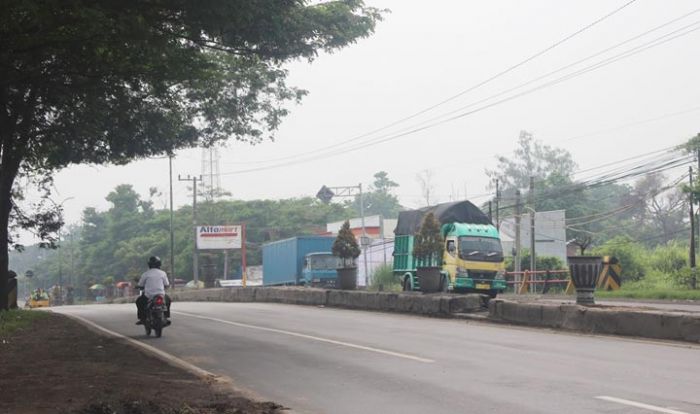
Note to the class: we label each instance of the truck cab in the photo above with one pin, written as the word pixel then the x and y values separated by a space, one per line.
pixel 473 258
pixel 320 269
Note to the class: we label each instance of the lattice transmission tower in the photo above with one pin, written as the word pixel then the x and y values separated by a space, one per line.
pixel 211 173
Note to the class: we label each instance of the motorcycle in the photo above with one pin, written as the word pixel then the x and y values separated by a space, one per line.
pixel 155 315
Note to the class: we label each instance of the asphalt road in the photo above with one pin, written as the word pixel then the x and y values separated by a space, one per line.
pixel 321 360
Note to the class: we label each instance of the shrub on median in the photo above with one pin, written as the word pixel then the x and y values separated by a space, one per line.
pixel 384 275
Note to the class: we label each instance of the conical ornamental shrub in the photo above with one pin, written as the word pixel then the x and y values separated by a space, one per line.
pixel 428 244
pixel 345 246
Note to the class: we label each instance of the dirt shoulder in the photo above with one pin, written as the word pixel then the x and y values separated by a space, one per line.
pixel 56 365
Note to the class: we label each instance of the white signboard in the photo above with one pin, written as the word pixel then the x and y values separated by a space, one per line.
pixel 219 237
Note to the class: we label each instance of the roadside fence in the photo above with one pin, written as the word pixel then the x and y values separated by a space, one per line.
pixel 539 281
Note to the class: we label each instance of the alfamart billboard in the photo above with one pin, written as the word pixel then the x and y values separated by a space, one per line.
pixel 219 237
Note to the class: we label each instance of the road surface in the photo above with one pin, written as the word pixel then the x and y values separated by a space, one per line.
pixel 321 360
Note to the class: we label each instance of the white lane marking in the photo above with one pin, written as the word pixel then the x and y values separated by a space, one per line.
pixel 640 405
pixel 311 337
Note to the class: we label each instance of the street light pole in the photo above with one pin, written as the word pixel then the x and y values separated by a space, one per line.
pixel 72 261
pixel 533 254
pixel 364 234
pixel 60 256
pixel 195 256
pixel 60 271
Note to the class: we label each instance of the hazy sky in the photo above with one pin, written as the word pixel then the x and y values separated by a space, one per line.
pixel 425 52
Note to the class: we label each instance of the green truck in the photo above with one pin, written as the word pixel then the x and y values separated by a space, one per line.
pixel 473 257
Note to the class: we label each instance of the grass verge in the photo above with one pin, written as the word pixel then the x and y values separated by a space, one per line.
pixel 655 293
pixel 11 321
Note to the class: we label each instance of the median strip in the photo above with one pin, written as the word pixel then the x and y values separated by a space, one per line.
pixel 311 337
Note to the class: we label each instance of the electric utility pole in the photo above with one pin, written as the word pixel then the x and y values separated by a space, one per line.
pixel 691 254
pixel 195 256
pixel 518 213
pixel 533 254
pixel 498 199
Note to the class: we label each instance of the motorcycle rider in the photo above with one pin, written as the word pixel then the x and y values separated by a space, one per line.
pixel 153 282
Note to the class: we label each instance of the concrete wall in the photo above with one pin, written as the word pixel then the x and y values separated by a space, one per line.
pixel 600 320
pixel 416 303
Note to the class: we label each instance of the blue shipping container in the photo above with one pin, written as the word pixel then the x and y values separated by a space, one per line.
pixel 283 260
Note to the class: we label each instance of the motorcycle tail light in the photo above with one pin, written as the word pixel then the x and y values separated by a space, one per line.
pixel 159 300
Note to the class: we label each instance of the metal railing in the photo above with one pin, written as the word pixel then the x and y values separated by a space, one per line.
pixel 529 281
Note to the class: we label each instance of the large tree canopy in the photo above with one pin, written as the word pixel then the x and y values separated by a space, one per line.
pixel 116 242
pixel 380 198
pixel 111 81
pixel 531 158
pixel 651 210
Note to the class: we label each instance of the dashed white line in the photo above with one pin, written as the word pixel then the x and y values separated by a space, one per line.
pixel 640 405
pixel 311 337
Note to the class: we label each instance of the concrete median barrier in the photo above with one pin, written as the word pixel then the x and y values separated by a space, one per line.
pixel 590 319
pixel 600 319
pixel 444 305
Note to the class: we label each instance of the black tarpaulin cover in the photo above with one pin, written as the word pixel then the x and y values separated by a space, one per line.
pixel 455 212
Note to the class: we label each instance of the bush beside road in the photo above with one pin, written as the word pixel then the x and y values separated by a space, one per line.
pixel 54 364
pixel 652 293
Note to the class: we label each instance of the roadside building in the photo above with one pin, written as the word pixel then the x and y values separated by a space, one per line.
pixel 379 248
pixel 376 227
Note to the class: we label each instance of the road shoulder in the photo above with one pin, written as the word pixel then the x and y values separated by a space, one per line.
pixel 59 365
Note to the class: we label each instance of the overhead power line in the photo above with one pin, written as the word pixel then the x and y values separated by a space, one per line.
pixel 631 124
pixel 662 160
pixel 638 49
pixel 463 92
pixel 618 163
pixel 605 179
pixel 577 221
pixel 456 114
pixel 590 218
pixel 512 68
pixel 420 127
pixel 662 150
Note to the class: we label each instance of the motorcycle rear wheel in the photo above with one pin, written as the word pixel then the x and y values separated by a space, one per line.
pixel 148 330
pixel 158 325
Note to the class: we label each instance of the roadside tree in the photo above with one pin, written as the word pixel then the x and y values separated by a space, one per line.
pixel 112 81
pixel 380 198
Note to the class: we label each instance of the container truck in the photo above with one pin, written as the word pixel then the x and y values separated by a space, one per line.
pixel 303 260
pixel 473 256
